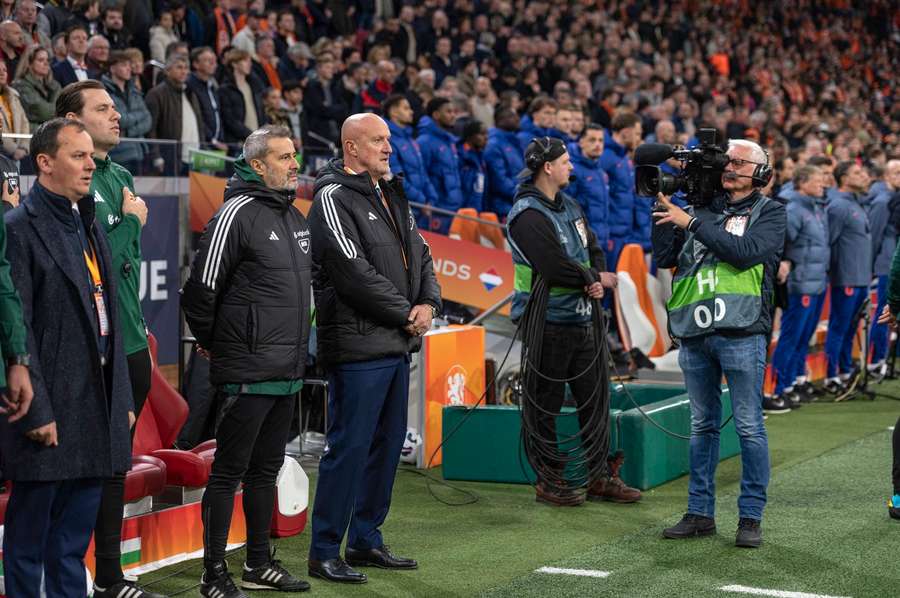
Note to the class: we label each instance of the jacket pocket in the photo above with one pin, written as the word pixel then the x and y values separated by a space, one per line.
pixel 364 325
pixel 252 327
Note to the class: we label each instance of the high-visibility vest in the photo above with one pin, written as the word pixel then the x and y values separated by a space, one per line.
pixel 566 305
pixel 709 295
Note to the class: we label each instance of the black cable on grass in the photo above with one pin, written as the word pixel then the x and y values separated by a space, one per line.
pixel 472 498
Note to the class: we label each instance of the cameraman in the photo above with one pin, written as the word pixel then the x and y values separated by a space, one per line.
pixel 725 256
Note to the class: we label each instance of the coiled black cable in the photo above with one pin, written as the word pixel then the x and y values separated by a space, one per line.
pixel 582 456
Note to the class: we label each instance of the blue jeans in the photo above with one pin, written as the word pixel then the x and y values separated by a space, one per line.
pixel 743 362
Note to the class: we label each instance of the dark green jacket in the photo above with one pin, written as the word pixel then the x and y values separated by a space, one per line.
pixel 12 327
pixel 124 233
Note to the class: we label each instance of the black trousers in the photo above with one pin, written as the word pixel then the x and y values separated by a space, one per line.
pixel 566 352
pixel 250 443
pixel 108 531
pixel 895 472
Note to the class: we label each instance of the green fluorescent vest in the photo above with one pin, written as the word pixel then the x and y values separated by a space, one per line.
pixel 710 296
pixel 566 305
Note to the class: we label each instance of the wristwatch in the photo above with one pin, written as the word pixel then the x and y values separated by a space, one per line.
pixel 434 312
pixel 23 359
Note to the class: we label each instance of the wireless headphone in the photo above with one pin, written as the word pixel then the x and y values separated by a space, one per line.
pixel 535 159
pixel 762 174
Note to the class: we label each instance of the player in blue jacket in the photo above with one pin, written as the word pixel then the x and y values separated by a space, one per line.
pixel 850 237
pixel 441 159
pixel 406 159
pixel 471 164
pixel 503 159
pixel 804 267
pixel 626 223
pixel 591 185
pixel 540 121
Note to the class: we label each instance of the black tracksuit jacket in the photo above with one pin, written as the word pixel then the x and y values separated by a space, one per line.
pixel 369 268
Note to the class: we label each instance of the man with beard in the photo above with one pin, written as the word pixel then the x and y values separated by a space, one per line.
pixel 247 302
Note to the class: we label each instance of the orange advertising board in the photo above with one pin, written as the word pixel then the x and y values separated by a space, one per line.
pixel 453 373
pixel 207 193
pixel 470 273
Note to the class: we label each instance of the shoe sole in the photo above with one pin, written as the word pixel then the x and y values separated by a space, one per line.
pixel 249 585
pixel 776 411
pixel 615 500
pixel 544 501
pixel 696 534
pixel 325 578
pixel 748 544
pixel 379 566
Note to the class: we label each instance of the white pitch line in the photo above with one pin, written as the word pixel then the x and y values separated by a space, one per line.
pixel 776 593
pixel 578 572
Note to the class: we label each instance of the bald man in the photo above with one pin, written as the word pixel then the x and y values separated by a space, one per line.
pixel 376 295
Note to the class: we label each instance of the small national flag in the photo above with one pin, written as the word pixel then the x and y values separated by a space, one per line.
pixel 490 279
pixel 131 551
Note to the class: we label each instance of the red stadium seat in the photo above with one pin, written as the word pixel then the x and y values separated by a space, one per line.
pixel 161 420
pixel 146 478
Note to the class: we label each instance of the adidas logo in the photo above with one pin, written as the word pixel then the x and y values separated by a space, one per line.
pixel 372 216
pixel 273 236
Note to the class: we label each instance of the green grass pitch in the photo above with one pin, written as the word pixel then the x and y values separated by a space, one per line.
pixel 826 529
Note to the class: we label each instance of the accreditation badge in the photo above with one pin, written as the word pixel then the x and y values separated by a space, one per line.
pixel 737 225
pixel 582 231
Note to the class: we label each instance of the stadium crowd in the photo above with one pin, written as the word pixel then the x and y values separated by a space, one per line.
pixel 466 85
pixel 803 78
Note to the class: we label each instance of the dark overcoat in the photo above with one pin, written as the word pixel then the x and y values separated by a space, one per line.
pixel 88 402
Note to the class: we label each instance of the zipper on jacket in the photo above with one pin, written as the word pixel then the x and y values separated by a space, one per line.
pixel 289 235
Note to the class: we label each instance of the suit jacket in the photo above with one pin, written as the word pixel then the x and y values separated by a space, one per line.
pixel 64 72
pixel 88 402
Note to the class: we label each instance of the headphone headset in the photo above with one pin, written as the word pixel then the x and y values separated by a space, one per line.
pixel 762 174
pixel 535 160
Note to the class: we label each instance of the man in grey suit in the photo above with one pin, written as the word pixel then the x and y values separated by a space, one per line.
pixel 75 434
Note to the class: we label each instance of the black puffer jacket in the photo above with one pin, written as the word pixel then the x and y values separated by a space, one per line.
pixel 247 299
pixel 367 274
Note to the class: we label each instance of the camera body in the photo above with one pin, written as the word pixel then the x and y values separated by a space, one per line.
pixel 700 178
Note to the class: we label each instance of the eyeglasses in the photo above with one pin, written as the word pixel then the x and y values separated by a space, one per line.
pixel 740 163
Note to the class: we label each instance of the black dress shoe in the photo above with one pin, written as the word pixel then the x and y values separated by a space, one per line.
pixel 380 557
pixel 336 570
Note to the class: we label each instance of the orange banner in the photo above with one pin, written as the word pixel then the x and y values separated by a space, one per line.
pixel 207 192
pixel 453 374
pixel 471 274
pixel 468 273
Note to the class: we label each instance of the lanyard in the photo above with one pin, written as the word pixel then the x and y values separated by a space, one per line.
pixel 94 268
pixel 99 303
